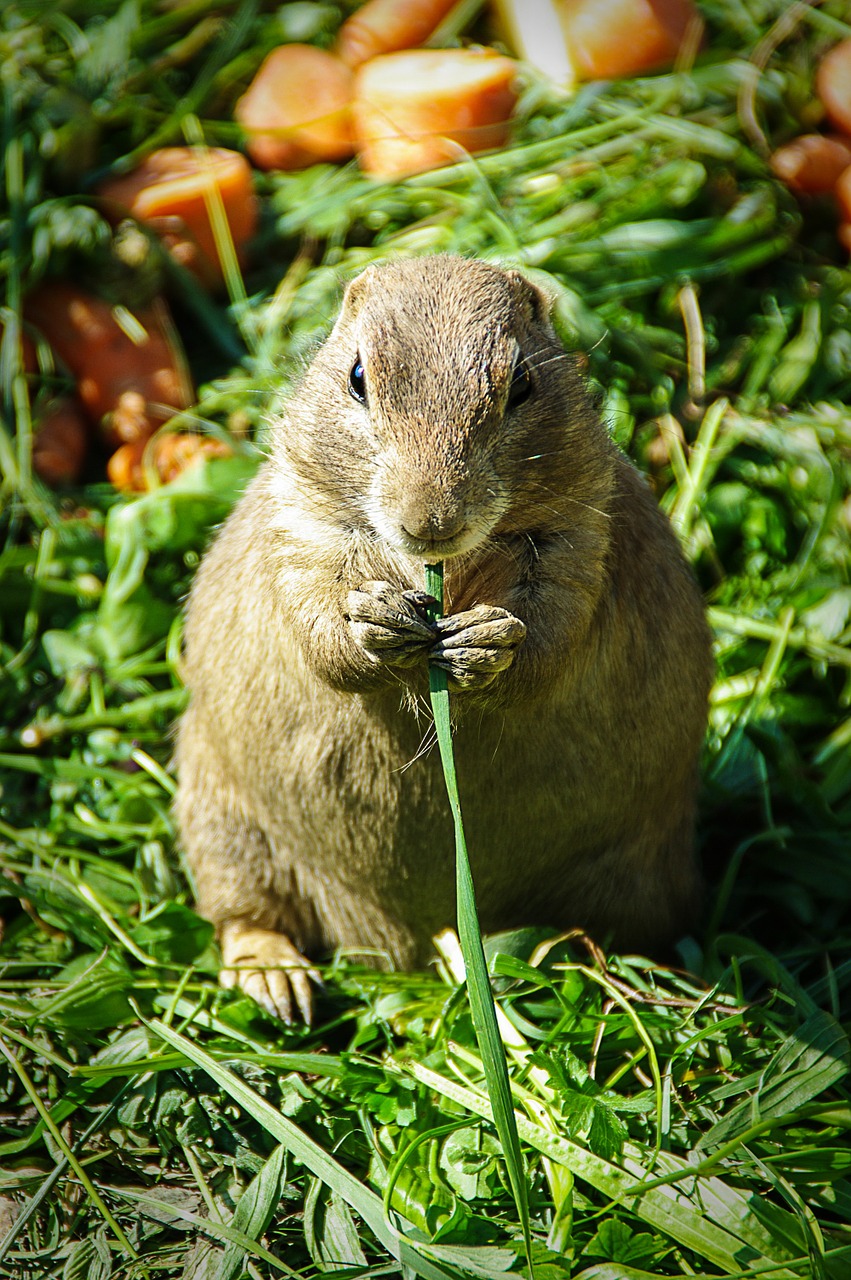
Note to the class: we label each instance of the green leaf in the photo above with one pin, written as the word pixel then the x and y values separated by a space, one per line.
pixel 480 1262
pixel 94 1000
pixel 88 1259
pixel 67 653
pixel 174 518
pixel 254 1212
pixel 109 50
pixel 417 1189
pixel 330 1231
pixel 590 1113
pixel 616 1242
pixel 615 1271
pixel 173 934
pixel 468 1162
pixel 607 1132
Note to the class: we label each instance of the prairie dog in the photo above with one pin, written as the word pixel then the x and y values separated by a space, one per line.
pixel 441 420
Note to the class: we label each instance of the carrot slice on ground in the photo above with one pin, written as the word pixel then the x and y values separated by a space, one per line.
pixel 383 26
pixel 533 30
pixel 170 191
pixel 170 455
pixel 61 442
pixel 833 85
pixel 426 107
pixel 130 376
pixel 608 38
pixel 843 194
pixel 297 109
pixel 811 164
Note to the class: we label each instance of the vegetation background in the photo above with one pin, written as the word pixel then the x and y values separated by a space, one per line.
pixel 152 1124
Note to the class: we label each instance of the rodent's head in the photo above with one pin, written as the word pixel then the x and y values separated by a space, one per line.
pixel 442 409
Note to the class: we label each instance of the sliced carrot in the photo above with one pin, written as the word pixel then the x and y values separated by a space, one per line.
pixel 129 377
pixel 811 164
pixel 843 193
pixel 169 455
pixel 843 233
pixel 833 85
pixel 171 191
pixel 297 109
pixel 533 30
pixel 383 26
pixel 61 442
pixel 125 468
pixel 610 38
pixel 426 107
pixel 178 451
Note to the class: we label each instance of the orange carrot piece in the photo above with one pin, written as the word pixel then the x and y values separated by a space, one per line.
pixel 833 85
pixel 532 29
pixel 810 165
pixel 843 193
pixel 170 191
pixel 384 26
pixel 61 442
pixel 170 455
pixel 175 453
pixel 843 233
pixel 610 38
pixel 297 109
pixel 128 382
pixel 427 107
pixel 125 470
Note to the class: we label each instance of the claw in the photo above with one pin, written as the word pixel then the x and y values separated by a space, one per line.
pixel 270 969
pixel 388 623
pixel 474 646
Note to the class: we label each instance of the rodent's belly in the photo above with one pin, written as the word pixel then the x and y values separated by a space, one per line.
pixel 361 814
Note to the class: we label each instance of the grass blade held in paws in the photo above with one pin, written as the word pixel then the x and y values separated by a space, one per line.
pixel 478 985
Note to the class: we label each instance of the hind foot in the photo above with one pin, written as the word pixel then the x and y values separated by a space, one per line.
pixel 269 968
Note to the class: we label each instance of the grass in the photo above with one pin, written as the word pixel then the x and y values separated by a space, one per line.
pixel 674 1121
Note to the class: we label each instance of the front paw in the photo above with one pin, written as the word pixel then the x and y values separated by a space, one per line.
pixel 474 646
pixel 389 624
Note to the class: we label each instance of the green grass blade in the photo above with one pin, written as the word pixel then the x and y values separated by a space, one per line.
pixel 478 984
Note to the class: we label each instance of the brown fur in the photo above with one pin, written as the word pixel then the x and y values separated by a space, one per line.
pixel 306 804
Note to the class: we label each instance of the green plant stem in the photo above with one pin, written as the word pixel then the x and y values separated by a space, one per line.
pixel 482 1006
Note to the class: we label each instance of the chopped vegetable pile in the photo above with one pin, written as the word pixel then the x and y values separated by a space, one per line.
pixel 175 232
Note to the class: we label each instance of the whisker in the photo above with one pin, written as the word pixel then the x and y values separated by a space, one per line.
pixel 426 745
pixel 546 361
pixel 567 497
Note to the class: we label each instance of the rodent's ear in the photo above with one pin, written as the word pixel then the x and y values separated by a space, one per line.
pixel 539 302
pixel 356 291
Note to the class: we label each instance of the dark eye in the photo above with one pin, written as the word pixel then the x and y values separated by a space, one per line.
pixel 521 383
pixel 357 381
